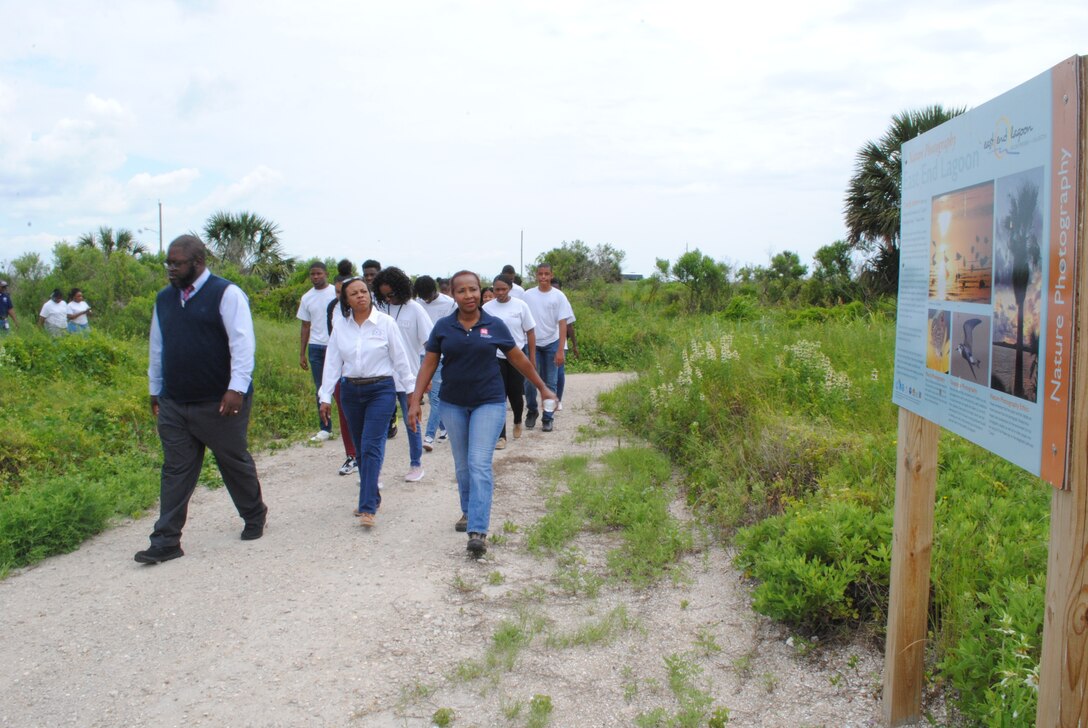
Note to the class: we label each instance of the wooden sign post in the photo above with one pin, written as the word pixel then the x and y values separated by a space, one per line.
pixel 1063 670
pixel 912 543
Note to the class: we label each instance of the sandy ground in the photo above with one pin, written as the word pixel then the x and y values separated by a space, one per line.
pixel 323 623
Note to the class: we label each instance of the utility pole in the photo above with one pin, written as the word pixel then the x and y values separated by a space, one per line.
pixel 521 258
pixel 160 227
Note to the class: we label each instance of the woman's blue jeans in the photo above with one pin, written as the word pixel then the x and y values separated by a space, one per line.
pixel 473 433
pixel 434 418
pixel 415 438
pixel 368 408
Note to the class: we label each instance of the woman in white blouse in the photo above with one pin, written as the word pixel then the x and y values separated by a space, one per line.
pixel 369 358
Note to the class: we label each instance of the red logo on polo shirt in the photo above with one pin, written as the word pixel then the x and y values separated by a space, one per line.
pixel 484 334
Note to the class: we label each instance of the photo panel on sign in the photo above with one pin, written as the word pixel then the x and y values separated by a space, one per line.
pixel 961 245
pixel 971 347
pixel 1018 283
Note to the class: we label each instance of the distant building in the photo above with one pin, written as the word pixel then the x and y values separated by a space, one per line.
pixel 632 276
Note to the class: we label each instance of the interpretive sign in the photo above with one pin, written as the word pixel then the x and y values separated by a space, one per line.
pixel 984 339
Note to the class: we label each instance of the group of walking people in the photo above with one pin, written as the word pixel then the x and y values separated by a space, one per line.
pixel 390 342
pixel 57 316
pixel 372 342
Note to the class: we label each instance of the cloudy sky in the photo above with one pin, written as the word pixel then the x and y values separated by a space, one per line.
pixel 429 135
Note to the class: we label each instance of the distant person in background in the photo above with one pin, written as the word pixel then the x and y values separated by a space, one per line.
pixel 371 268
pixel 54 314
pixel 474 406
pixel 443 286
pixel 78 310
pixel 350 465
pixel 314 335
pixel 367 355
pixel 489 294
pixel 517 317
pixel 437 305
pixel 395 289
pixel 7 309
pixel 515 289
pixel 550 312
pixel 200 376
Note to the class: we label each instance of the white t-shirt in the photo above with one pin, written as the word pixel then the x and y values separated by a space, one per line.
pixel 313 308
pixel 517 317
pixel 517 291
pixel 548 310
pixel 415 325
pixel 441 306
pixel 82 307
pixel 55 314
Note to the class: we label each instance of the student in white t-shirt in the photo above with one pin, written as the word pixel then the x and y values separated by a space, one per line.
pixel 54 314
pixel 314 334
pixel 78 310
pixel 394 289
pixel 519 319
pixel 550 312
pixel 515 290
pixel 438 305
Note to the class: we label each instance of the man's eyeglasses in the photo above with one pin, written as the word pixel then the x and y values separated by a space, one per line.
pixel 173 264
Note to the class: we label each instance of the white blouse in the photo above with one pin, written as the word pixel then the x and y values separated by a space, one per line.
pixel 373 349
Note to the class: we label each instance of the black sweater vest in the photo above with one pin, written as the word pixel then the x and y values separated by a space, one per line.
pixel 195 347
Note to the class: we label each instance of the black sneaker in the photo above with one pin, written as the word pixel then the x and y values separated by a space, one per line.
pixel 462 524
pixel 546 425
pixel 392 431
pixel 477 544
pixel 253 531
pixel 530 420
pixel 349 467
pixel 158 554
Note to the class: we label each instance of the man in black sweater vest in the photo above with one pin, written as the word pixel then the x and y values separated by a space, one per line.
pixel 200 379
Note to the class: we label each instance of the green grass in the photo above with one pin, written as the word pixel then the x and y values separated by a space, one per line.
pixel 597 632
pixel 630 496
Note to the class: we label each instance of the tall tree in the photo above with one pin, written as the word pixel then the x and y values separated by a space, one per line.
pixel 874 193
pixel 109 242
pixel 705 278
pixel 578 264
pixel 250 242
pixel 1024 256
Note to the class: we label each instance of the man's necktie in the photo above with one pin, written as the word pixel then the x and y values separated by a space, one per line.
pixel 185 294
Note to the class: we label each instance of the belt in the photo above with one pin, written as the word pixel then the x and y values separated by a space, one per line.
pixel 359 381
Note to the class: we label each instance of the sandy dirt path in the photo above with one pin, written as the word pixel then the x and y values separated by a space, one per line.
pixel 323 623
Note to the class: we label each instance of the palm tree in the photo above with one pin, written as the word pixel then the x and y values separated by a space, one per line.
pixel 874 193
pixel 108 242
pixel 249 241
pixel 1025 256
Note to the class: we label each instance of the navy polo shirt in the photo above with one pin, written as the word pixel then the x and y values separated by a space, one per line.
pixel 470 369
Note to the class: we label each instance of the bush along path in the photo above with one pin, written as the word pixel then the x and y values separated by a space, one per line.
pixel 600 602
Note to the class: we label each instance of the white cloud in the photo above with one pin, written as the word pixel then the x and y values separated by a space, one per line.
pixel 169 183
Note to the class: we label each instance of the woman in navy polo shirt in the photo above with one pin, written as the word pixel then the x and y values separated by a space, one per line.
pixel 473 397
